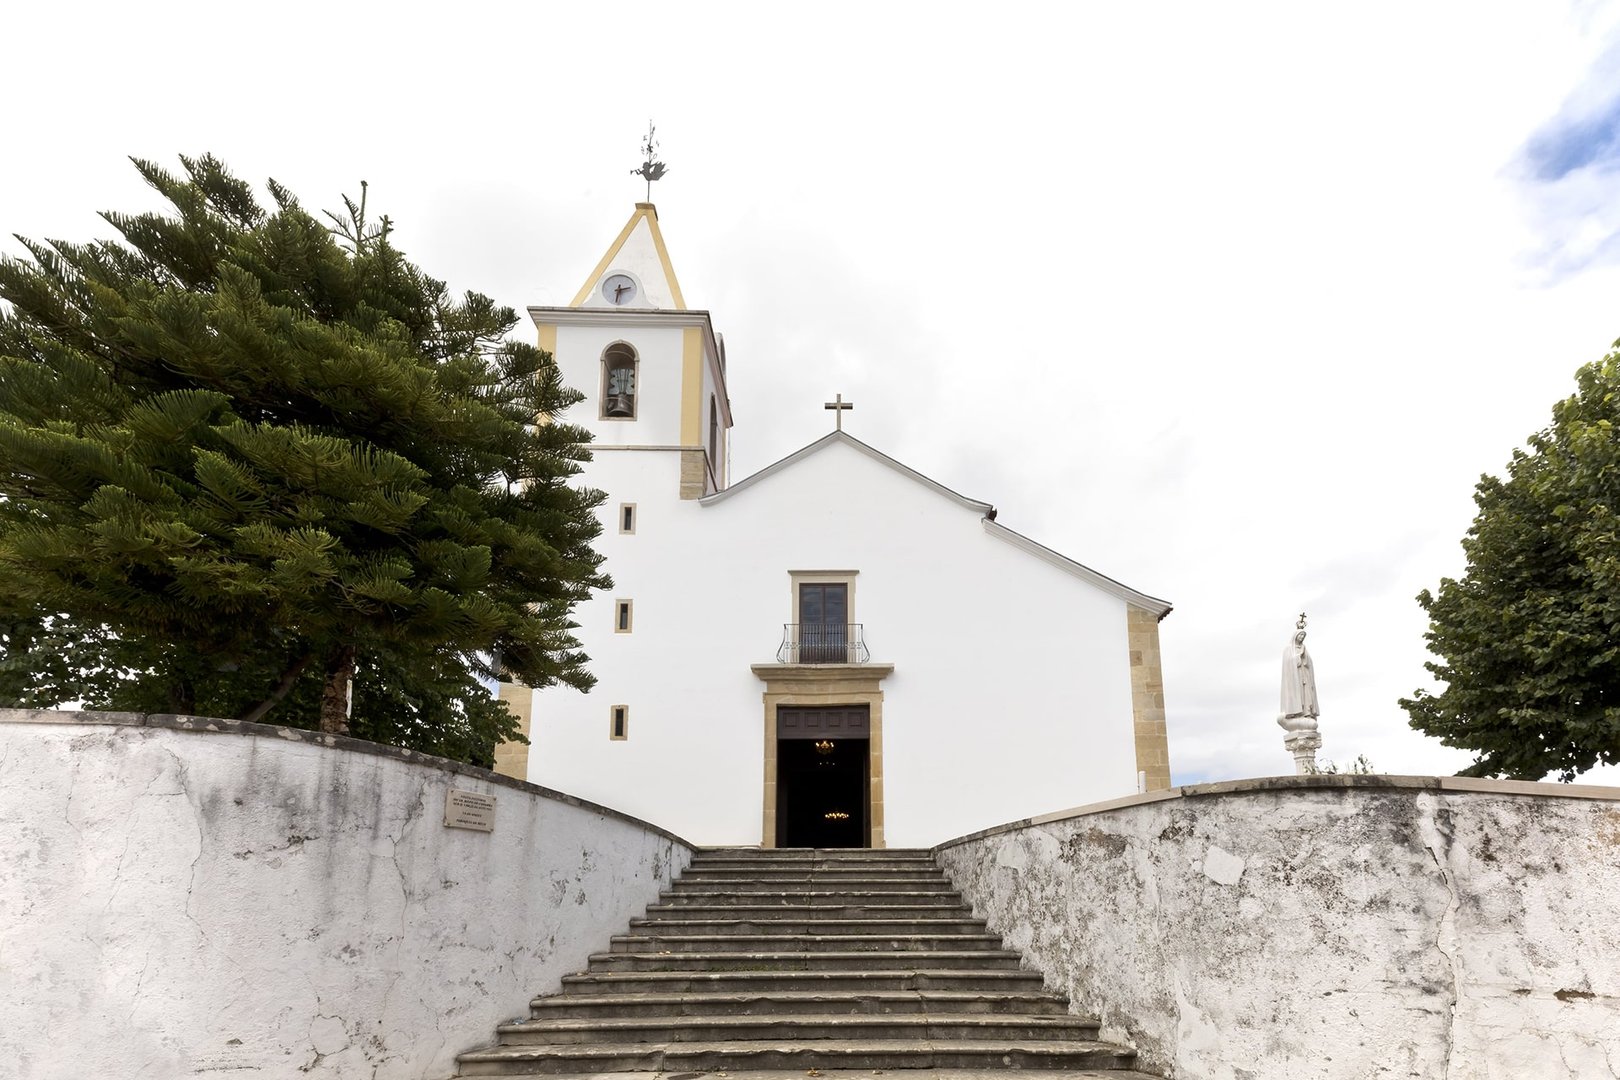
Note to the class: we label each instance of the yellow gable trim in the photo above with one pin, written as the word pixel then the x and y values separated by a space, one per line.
pixel 643 210
pixel 612 252
pixel 663 257
pixel 692 387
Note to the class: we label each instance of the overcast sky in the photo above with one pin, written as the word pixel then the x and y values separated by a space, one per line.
pixel 1232 302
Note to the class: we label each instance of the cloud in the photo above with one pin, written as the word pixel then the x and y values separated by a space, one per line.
pixel 1572 141
pixel 1567 170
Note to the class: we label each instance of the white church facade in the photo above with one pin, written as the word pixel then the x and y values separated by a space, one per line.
pixel 834 651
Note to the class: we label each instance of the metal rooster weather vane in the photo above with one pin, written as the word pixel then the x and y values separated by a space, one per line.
pixel 650 170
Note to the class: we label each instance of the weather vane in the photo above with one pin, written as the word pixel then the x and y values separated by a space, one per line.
pixel 650 170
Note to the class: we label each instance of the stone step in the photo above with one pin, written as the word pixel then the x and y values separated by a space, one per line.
pixel 921 895
pixel 930 959
pixel 807 943
pixel 815 868
pixel 813 854
pixel 993 981
pixel 866 1002
pixel 821 1054
pixel 664 927
pixel 787 879
pixel 810 960
pixel 801 1027
pixel 858 882
pixel 805 866
pixel 868 1074
pixel 948 908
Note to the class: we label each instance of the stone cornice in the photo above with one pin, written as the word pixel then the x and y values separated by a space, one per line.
pixel 567 316
pixel 786 678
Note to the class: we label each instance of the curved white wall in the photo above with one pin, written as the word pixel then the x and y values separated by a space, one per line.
pixel 183 897
pixel 1326 928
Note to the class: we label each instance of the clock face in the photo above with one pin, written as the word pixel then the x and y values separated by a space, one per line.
pixel 618 289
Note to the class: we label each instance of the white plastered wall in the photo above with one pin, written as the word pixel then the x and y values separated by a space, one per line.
pixel 1325 927
pixel 658 382
pixel 208 899
pixel 1011 688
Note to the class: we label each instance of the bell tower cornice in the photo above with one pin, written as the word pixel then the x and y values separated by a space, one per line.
pixel 697 323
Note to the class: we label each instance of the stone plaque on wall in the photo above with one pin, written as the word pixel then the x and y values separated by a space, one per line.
pixel 469 810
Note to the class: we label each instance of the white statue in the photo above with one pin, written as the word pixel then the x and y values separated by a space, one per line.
pixel 1299 707
pixel 1298 680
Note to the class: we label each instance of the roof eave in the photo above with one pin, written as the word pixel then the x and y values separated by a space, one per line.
pixel 847 439
pixel 1151 604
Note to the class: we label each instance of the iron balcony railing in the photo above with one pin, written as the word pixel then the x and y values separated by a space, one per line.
pixel 822 643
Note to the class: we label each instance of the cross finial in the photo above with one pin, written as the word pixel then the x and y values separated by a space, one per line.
pixel 650 170
pixel 1301 624
pixel 838 405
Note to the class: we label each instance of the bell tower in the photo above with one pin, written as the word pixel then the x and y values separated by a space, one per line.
pixel 653 372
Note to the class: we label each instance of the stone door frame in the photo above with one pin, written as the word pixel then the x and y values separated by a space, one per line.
pixel 824 684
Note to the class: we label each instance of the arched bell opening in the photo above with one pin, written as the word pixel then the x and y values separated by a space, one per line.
pixel 620 366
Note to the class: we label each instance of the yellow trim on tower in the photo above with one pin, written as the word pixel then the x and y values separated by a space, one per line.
pixel 692 386
pixel 663 255
pixel 624 234
pixel 512 758
pixel 548 344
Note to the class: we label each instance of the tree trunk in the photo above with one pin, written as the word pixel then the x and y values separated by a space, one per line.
pixel 182 696
pixel 335 698
pixel 283 685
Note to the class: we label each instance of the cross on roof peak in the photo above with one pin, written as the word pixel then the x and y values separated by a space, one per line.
pixel 838 405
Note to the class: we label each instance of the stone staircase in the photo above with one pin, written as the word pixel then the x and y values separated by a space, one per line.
pixel 803 959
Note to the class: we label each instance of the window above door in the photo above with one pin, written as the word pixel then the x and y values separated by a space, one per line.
pixel 818 582
pixel 823 629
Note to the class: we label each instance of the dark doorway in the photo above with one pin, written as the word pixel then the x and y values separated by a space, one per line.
pixel 823 770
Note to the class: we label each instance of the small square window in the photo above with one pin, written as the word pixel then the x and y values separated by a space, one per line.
pixel 619 722
pixel 623 611
pixel 627 518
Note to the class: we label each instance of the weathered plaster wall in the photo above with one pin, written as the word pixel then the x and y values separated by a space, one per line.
pixel 1326 927
pixel 245 901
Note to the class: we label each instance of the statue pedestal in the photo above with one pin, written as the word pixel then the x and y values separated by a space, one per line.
pixel 1301 739
pixel 1303 745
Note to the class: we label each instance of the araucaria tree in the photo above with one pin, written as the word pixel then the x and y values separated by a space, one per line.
pixel 252 464
pixel 1529 638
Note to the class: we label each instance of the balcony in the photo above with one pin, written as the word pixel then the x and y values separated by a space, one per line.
pixel 822 643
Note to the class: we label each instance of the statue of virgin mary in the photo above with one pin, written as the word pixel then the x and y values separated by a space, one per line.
pixel 1298 684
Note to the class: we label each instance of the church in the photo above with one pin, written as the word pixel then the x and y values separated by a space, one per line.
pixel 835 651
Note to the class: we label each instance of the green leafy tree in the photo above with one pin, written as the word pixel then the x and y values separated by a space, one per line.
pixel 1529 638
pixel 250 463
